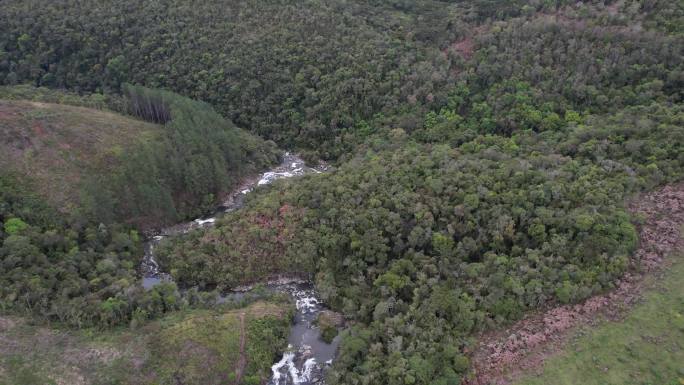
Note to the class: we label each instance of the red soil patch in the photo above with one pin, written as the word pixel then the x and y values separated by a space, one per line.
pixel 284 209
pixel 8 111
pixel 503 356
pixel 38 130
pixel 464 47
pixel 282 222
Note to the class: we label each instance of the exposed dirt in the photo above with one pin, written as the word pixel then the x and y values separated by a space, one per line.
pixel 39 130
pixel 7 323
pixel 332 318
pixel 503 356
pixel 8 111
pixel 614 9
pixel 465 47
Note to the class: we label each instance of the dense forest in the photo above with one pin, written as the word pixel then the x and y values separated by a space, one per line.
pixel 60 270
pixel 200 157
pixel 316 74
pixel 448 239
pixel 483 153
pixel 75 273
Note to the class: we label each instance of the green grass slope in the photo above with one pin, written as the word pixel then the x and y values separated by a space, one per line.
pixel 189 347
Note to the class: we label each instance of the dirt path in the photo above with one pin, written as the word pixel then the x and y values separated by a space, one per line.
pixel 242 362
pixel 503 356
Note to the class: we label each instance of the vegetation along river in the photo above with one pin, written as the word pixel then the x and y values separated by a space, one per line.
pixel 307 354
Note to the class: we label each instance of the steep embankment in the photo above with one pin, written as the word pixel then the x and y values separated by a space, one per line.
pixel 646 347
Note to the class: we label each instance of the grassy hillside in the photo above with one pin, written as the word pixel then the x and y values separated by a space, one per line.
pixel 59 146
pixel 127 167
pixel 191 347
pixel 647 347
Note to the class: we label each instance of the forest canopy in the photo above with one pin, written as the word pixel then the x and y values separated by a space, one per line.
pixel 482 153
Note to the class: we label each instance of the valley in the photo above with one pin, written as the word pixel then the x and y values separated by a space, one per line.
pixel 341 192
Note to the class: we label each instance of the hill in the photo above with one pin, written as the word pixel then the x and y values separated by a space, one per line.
pixel 60 146
pixel 109 166
pixel 505 196
pixel 483 156
pixel 324 75
pixel 300 73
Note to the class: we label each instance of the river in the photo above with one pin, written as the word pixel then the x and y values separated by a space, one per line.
pixel 307 355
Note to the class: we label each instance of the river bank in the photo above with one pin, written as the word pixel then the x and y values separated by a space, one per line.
pixel 307 355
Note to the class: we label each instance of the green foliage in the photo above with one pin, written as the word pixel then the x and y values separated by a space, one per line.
pixel 435 242
pixel 112 168
pixel 199 157
pixel 645 347
pixel 78 274
pixel 15 225
pixel 267 337
pixel 205 347
pixel 197 347
pixel 328 323
pixel 485 151
pixel 328 333
pixel 319 68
